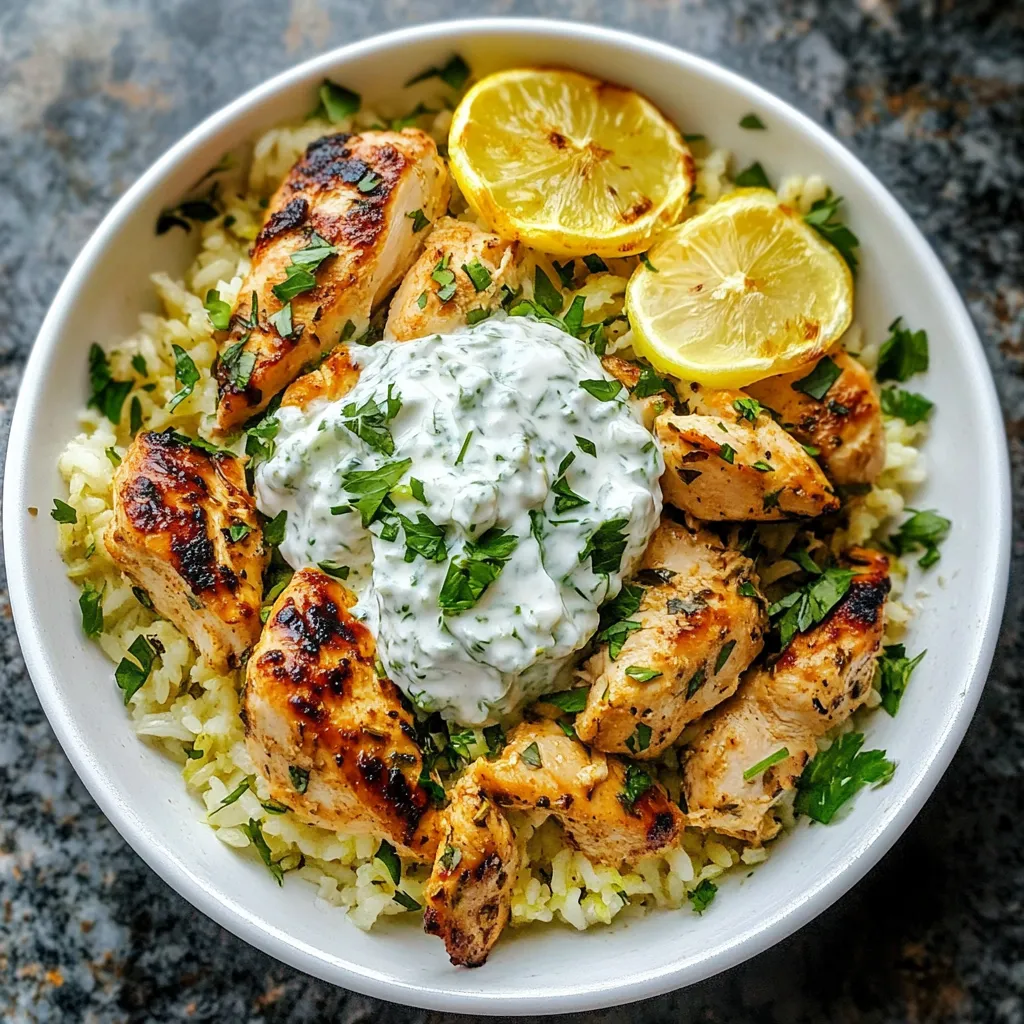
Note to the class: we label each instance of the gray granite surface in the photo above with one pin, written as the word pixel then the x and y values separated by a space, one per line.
pixel 930 95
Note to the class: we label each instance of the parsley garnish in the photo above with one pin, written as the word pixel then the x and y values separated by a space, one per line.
pixel 371 486
pixel 62 512
pixel 424 537
pixel 336 102
pixel 455 73
pixel 107 395
pixel 925 530
pixel 369 421
pixel 387 855
pixel 606 546
pixel 90 601
pixel 186 374
pixel 907 405
pixel 445 278
pixel 239 531
pixel 640 740
pixel 314 253
pixel 836 774
pixel 130 675
pixel 762 766
pixel 464 448
pixel 602 390
pixel 649 383
pixel 799 611
pixel 569 701
pixel 475 316
pixel 422 300
pixel 255 833
pixel 727 453
pixel 419 221
pixel 565 497
pixel 748 408
pixel 232 797
pixel 753 177
pixel 299 778
pixel 135 415
pixel 895 669
pixel 565 271
pixel 586 445
pixel 416 486
pixel 771 499
pixel 478 274
pixel 595 264
pixel 450 857
pixel 217 309
pixel 273 531
pixel 641 674
pixel 531 755
pixel 822 217
pixel 723 656
pixel 636 783
pixel 763 467
pixel 752 121
pixel 615 624
pixel 281 321
pixel 480 565
pixel 297 280
pixel 403 899
pixel 546 294
pixel 702 895
pixel 903 353
pixel 819 380
pixel 697 680
pixel 646 261
pixel 494 737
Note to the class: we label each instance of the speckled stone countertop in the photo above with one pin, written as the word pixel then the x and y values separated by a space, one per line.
pixel 930 95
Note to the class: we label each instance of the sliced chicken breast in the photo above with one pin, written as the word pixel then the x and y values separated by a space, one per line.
pixel 334 378
pixel 701 622
pixel 610 810
pixel 359 194
pixel 460 274
pixel 845 425
pixel 185 530
pixel 332 739
pixel 468 897
pixel 721 465
pixel 821 678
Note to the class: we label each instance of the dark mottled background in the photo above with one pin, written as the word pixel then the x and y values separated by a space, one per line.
pixel 930 95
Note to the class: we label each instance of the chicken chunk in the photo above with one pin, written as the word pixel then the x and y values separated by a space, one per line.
pixel 334 378
pixel 845 426
pixel 721 465
pixel 332 739
pixel 697 632
pixel 359 194
pixel 611 811
pixel 821 678
pixel 468 897
pixel 481 263
pixel 185 530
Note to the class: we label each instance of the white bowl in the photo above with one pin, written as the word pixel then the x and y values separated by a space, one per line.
pixel 552 969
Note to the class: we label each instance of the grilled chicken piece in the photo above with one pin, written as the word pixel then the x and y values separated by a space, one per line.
pixel 543 769
pixel 846 426
pixel 332 739
pixel 627 373
pixel 453 245
pixel 697 631
pixel 335 377
pixel 817 683
pixel 175 507
pixel 468 896
pixel 721 466
pixel 359 193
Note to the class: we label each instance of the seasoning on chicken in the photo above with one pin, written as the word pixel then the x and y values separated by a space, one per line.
pixel 845 424
pixel 333 739
pixel 611 810
pixel 458 279
pixel 730 461
pixel 334 378
pixel 468 897
pixel 819 680
pixel 185 530
pixel 340 234
pixel 699 624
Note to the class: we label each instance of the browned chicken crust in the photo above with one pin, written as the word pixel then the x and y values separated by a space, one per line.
pixel 334 740
pixel 468 897
pixel 175 509
pixel 417 310
pixel 845 426
pixel 358 192
pixel 697 632
pixel 816 684
pixel 543 769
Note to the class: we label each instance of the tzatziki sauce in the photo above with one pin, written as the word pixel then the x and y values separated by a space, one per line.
pixel 487 491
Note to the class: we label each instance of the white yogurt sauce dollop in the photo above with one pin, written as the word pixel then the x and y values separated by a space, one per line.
pixel 487 417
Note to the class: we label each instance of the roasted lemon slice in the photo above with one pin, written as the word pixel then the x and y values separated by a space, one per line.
pixel 567 163
pixel 741 292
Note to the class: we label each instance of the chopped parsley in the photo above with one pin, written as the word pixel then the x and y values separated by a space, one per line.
pixel 565 497
pixel 636 783
pixel 646 261
pixel 299 778
pixel 130 675
pixel 531 755
pixel 62 512
pixel 649 383
pixel 445 278
pixel 424 537
pixel 697 680
pixel 747 589
pixel 810 604
pixel 616 623
pixel 239 531
pixel 723 655
pixel 478 274
pixel 403 899
pixel 90 601
pixel 314 252
pixel 823 217
pixel 907 405
pixel 475 316
pixel 255 833
pixel 135 415
pixel 641 674
pixel 752 122
pixel 273 531
pixel 836 774
pixel 479 566
pixel 494 737
pixel 239 364
pixel 702 896
pixel 569 701
pixel 925 530
pixel 369 422
pixel 387 855
pixel 640 739
pixel 107 395
pixel 299 274
pixel 232 797
pixel 450 857
pixel 416 487
pixel 748 408
pixel 753 177
pixel 464 448
pixel 297 280
pixel 419 221
pixel 819 380
pixel 336 102
pixel 602 390
pixel 422 300
pixel 217 309
pixel 281 321
pixel 894 673
pixel 771 499
pixel 454 73
pixel 335 569
pixel 595 264
pixel 371 487
pixel 586 446
pixel 546 294
pixel 606 546
pixel 566 272
pixel 763 467
pixel 727 453
pixel 186 374
pixel 762 766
